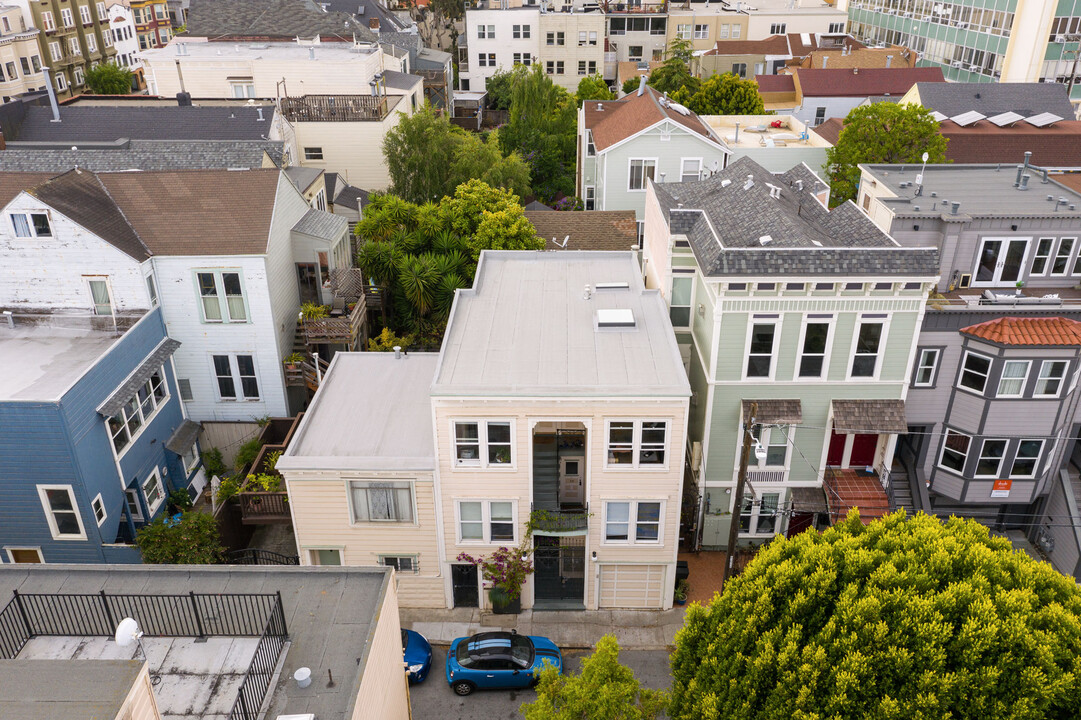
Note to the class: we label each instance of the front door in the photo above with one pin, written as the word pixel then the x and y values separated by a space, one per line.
pixel 836 454
pixel 559 567
pixel 308 280
pixel 863 450
pixel 1000 261
pixel 463 580
pixel 570 481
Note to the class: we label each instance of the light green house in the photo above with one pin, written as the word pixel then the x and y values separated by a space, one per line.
pixel 811 313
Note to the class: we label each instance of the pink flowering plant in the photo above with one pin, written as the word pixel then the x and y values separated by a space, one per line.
pixel 506 568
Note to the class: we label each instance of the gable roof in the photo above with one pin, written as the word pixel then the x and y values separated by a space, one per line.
pixel 855 82
pixel 221 19
pixel 772 45
pixel 319 224
pixel 775 83
pixel 80 196
pixel 621 119
pixel 991 99
pixel 587 229
pixel 1044 331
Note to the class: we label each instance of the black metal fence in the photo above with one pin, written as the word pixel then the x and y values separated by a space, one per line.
pixel 13 631
pixel 258 556
pixel 257 680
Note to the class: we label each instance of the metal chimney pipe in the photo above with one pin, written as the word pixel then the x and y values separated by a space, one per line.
pixel 1044 176
pixel 1024 182
pixel 641 84
pixel 1020 171
pixel 1028 157
pixel 52 94
pixel 398 352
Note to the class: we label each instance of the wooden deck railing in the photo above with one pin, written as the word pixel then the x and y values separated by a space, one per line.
pixel 344 329
pixel 336 108
pixel 264 508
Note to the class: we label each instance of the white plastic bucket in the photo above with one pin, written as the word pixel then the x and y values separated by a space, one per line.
pixel 303 676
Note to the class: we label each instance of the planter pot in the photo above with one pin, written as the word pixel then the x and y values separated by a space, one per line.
pixel 514 607
pixel 681 602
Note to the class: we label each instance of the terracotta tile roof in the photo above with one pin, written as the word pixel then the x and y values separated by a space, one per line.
pixel 772 45
pixel 621 119
pixel 859 83
pixel 862 58
pixel 588 230
pixel 1045 331
pixel 775 83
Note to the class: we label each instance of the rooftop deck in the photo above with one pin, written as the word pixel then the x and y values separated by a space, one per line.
pixel 755 131
pixel 1040 299
pixel 338 108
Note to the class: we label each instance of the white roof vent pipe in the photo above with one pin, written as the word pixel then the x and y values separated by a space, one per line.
pixel 397 352
pixel 311 53
pixel 750 182
pixel 641 84
pixel 587 293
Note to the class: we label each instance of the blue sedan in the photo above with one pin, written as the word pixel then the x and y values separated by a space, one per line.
pixel 418 655
pixel 499 660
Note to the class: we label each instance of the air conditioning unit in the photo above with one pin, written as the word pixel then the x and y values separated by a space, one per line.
pixel 956 63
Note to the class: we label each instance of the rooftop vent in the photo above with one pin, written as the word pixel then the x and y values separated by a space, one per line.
pixel 615 318
pixel 765 240
pixel 613 286
pixel 750 182
pixel 725 183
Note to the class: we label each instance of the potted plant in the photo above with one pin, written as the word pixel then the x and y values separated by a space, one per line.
pixel 1019 284
pixel 292 360
pixel 680 594
pixel 504 572
pixel 313 311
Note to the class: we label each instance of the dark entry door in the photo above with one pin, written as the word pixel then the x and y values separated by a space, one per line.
pixel 863 450
pixel 463 580
pixel 799 522
pixel 308 279
pixel 836 452
pixel 559 568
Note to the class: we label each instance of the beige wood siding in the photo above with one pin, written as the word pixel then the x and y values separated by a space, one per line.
pixel 140 703
pixel 383 688
pixel 321 519
pixel 632 586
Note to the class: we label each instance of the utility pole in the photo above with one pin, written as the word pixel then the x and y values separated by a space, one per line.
pixel 737 508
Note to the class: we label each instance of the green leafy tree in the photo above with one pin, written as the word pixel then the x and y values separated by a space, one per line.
pixel 901 618
pixel 499 87
pixel 109 79
pixel 631 84
pixel 479 159
pixel 192 540
pixel 593 87
pixel 450 9
pixel 881 133
pixel 726 94
pixel 674 75
pixel 419 152
pixel 681 50
pixel 542 129
pixel 603 690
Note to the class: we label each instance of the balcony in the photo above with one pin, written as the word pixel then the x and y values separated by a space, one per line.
pixel 338 108
pixel 264 508
pixel 343 329
pixel 559 521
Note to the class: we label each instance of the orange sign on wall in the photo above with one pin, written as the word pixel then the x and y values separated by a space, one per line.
pixel 1001 488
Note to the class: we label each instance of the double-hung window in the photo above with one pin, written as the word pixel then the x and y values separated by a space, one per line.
pixel 974 371
pixel 374 501
pixel 869 342
pixel 641 169
pixel 1027 458
pixel 1049 381
pixel 241 88
pixel 401 563
pixel 812 359
pixel 632 521
pixel 691 170
pixel 523 59
pixel 520 32
pixel 125 426
pixel 760 348
pixel 556 38
pixel 637 443
pixel 1062 257
pixel 97 505
pixel 990 461
pixel 486 60
pixel 1043 254
pixel 1014 375
pixel 483 443
pixel 954 451
pixel 683 32
pixel 62 512
pixel 680 303
pixel 234 372
pixel 775 441
pixel 99 293
pixel 153 492
pixel 701 32
pixel 216 286
pixel 486 32
pixel 489 521
pixel 925 367
pixel 759 517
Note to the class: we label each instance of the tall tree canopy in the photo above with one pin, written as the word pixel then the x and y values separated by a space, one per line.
pixel 902 618
pixel 881 133
pixel 428 158
pixel 109 79
pixel 603 690
pixel 420 254
pixel 593 87
pixel 675 73
pixel 542 128
pixel 499 86
pixel 726 94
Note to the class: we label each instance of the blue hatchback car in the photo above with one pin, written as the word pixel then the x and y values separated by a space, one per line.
pixel 499 660
pixel 418 655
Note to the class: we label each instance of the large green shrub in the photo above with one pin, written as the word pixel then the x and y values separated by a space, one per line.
pixel 901 618
pixel 192 540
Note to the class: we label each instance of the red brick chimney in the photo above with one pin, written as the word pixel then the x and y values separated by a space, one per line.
pixel 373 24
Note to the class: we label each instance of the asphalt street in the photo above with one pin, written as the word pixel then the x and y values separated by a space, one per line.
pixel 434 700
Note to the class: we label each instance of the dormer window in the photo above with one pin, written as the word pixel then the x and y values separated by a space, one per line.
pixel 32 225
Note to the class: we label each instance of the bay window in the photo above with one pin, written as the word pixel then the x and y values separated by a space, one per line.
pixel 974 371
pixel 954 451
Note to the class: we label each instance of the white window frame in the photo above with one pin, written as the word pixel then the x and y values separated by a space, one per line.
pixel 827 351
pixel 370 522
pixel 33 548
pixel 80 77
pixel 646 163
pixel 943 449
pixel 683 173
pixel 67 18
pixel 1023 378
pixel 688 277
pixel 590 197
pixel 136 513
pixel 636 447
pixel 145 418
pixel 768 437
pixel 102 14
pixel 84 14
pixel 684 32
pixel 226 317
pixel 754 514
pixel 1070 244
pixel 155 475
pixel 55 51
pixel 51 519
pixel 75 47
pixel 922 364
pixel 48 21
pixel 152 290
pixel 91 43
pixel 632 521
pixel 1041 378
pixel 1042 254
pixel 980 458
pixel 778 28
pixel 28 218
pixel 591 148
pixel 96 504
pixel 775 321
pixel 701 31
pixel 485 521
pixel 414 564
pixel 1037 461
pixel 965 369
pixel 482 461
pixel 242 89
pixel 883 340
pixel 234 369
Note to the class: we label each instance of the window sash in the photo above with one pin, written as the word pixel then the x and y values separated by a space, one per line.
pixel 955 447
pixel 812 362
pixel 654 440
pixel 99 290
pixel 617 518
pixel 249 383
pixel 992 453
pixel 1027 458
pixel 382 502
pixel 467 443
pixel 471 520
pixel 647 522
pixel 21 225
pixel 1062 256
pixel 640 169
pixel 974 371
pixel 925 369
pixel 501 520
pixel 1012 382
pixel 1042 256
pixel 208 291
pixel 224 372
pixel 153 492
pixel 776 448
pixel 868 345
pixel 64 510
pixel 1049 382
pixel 620 443
pixel 760 349
pixel 499 448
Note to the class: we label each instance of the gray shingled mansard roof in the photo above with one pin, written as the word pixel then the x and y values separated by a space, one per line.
pixel 271 19
pixel 737 224
pixel 142 155
pixel 992 99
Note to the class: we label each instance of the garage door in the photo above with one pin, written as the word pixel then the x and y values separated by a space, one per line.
pixel 632 586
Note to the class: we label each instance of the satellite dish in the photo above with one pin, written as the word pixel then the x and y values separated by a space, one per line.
pixel 127 632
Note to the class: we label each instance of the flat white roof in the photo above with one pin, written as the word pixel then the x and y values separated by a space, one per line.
pixel 372 412
pixel 526 328
pixel 41 363
pixel 218 51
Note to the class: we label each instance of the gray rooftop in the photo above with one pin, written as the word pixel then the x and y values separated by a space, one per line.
pixel 65 689
pixel 271 19
pixel 981 190
pixel 401 81
pixel 745 220
pixel 991 99
pixel 321 224
pixel 329 613
pixel 525 328
pixel 107 123
pixel 141 155
pixel 41 363
pixel 302 177
pixel 372 412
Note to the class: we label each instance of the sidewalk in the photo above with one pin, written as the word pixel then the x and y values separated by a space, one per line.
pixel 635 629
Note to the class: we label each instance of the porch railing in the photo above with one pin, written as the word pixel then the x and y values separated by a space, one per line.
pixel 264 508
pixel 345 329
pixel 562 520
pixel 336 108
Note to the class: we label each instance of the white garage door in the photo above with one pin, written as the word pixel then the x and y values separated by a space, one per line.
pixel 632 586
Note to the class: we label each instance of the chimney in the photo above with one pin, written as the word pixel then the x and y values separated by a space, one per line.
pixel 889 60
pixel 641 84
pixel 373 24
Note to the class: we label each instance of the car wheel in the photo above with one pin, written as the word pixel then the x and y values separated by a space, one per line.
pixel 463 688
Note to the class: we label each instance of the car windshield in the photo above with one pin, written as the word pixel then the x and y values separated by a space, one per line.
pixel 507 646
